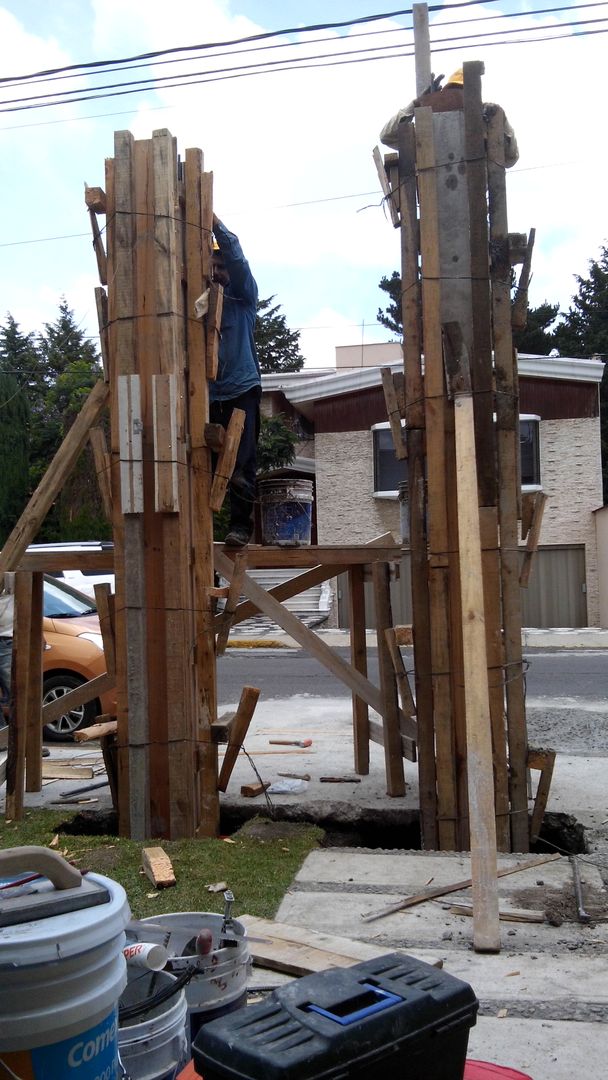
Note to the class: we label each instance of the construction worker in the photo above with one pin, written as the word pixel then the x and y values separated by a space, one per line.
pixel 389 134
pixel 238 384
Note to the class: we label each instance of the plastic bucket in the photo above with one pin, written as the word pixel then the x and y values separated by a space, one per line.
pixel 62 969
pixel 154 1044
pixel 220 985
pixel 286 510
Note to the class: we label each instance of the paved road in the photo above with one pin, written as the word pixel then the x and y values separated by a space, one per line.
pixel 566 689
pixel 569 674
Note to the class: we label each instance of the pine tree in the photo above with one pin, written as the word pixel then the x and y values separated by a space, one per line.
pixel 536 337
pixel 14 418
pixel 277 346
pixel 391 316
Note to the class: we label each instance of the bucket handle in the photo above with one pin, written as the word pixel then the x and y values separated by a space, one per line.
pixel 41 860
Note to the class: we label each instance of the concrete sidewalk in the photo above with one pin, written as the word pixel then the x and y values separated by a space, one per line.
pixel 583 637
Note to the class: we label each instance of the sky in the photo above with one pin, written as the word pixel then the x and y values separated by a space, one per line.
pixel 290 150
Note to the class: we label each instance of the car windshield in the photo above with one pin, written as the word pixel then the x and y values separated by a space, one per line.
pixel 61 602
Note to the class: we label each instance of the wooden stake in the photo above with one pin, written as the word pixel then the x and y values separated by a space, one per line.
pixel 393 761
pixel 394 413
pixel 227 458
pixel 358 659
pixel 238 731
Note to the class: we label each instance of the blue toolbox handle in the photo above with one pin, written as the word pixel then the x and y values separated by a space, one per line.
pixel 385 1000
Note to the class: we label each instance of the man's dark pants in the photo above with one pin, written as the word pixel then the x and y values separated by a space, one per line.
pixel 242 486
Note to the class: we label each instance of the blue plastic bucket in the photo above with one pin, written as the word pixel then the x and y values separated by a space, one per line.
pixel 286 511
pixel 61 974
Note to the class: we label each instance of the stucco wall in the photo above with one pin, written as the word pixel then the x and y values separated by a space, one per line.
pixel 571 475
pixel 347 512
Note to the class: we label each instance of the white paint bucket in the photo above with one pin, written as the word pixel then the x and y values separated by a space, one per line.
pixel 62 969
pixel 154 1044
pixel 220 984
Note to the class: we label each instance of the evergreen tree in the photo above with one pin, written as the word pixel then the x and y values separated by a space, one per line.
pixel 391 316
pixel 71 368
pixel 14 419
pixel 278 347
pixel 536 337
pixel 276 444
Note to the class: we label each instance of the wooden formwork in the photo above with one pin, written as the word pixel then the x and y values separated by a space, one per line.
pixel 462 436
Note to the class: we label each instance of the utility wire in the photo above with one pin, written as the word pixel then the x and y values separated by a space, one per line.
pixel 126 66
pixel 303 64
pixel 242 40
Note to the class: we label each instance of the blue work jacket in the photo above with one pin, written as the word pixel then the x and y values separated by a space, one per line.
pixel 238 365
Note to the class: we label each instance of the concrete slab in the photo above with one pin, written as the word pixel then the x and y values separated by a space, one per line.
pixel 544 1050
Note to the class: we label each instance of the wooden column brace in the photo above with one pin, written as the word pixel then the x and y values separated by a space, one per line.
pixel 394 413
pixel 33 699
pixel 533 538
pixel 101 303
pixel 214 323
pixel 390 197
pixel 17 740
pixel 105 601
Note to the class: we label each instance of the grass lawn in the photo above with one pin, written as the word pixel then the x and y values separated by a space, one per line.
pixel 258 863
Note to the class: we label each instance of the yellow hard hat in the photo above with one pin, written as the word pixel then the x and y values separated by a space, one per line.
pixel 216 246
pixel 457 79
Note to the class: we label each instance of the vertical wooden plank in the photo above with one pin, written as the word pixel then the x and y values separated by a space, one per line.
pixel 33 704
pixel 410 280
pixel 130 423
pixel 132 741
pixel 199 214
pixel 507 423
pixel 395 778
pixel 486 926
pixel 104 601
pixel 394 413
pixel 175 529
pixel 445 745
pixel 164 394
pixel 101 302
pixel 358 658
pixel 490 554
pixel 480 356
pixel 17 736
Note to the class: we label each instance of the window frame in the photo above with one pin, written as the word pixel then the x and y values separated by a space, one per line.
pixel 393 493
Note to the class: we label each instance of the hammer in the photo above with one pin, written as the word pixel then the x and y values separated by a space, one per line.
pixel 290 742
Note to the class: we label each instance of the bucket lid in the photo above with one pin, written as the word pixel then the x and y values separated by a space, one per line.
pixel 56 937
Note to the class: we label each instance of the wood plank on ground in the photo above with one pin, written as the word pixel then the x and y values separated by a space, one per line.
pixel 297 950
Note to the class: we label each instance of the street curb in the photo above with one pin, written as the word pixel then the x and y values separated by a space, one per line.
pixel 585 637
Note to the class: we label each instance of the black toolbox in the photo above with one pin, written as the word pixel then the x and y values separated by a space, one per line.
pixel 391 1018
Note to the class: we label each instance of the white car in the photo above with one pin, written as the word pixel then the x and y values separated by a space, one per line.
pixel 83 580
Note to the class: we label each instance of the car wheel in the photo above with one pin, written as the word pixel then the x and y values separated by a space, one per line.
pixel 62 730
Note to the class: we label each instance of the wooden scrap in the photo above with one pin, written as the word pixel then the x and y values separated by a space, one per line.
pixel 157 867
pixel 95 199
pixel 390 197
pixel 443 890
pixel 214 435
pixel 404 636
pixel 297 950
pixel 100 251
pixel 545 761
pixel 78 696
pixel 214 322
pixel 234 592
pixel 521 915
pixel 96 731
pixel 251 791
pixel 339 780
pixel 55 770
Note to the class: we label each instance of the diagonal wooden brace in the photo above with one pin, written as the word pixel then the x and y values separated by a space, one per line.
pixel 234 592
pixel 394 412
pixel 226 459
pixel 403 685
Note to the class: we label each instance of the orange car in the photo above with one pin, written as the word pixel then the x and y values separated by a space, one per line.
pixel 73 653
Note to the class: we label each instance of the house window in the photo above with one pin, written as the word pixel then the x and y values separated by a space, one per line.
pixel 389 471
pixel 529 442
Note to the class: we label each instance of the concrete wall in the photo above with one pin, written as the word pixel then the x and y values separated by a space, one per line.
pixel 376 355
pixel 601 531
pixel 571 475
pixel 347 512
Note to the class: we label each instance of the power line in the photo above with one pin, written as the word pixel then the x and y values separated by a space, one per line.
pixel 304 63
pixel 243 40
